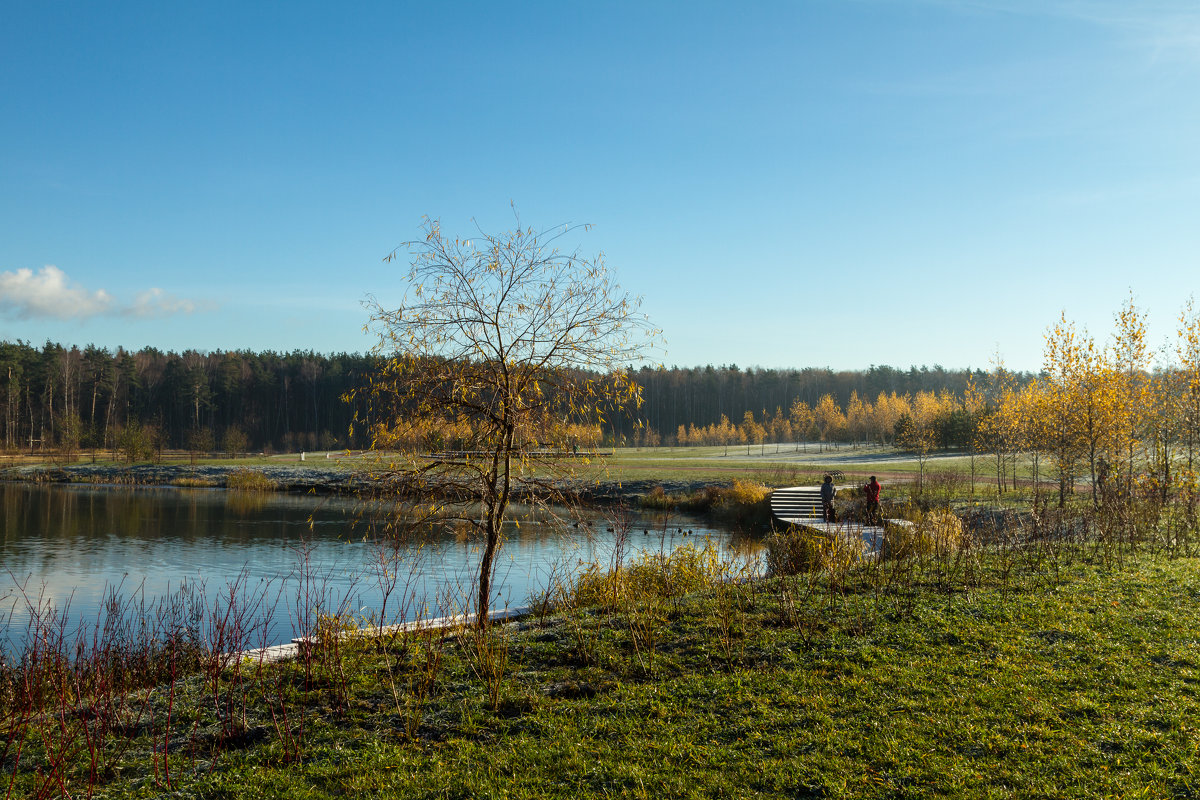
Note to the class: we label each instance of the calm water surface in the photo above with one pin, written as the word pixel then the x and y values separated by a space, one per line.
pixel 69 547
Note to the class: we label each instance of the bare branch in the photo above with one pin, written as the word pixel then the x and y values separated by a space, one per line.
pixel 504 350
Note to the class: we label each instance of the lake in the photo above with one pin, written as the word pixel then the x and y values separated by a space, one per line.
pixel 70 552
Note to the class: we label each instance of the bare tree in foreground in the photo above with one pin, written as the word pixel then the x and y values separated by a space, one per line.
pixel 504 358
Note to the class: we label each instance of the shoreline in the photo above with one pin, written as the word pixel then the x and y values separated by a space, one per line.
pixel 305 480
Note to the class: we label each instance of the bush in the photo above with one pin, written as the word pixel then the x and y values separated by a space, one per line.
pixel 935 533
pixel 652 575
pixel 791 552
pixel 699 501
pixel 249 480
pixel 658 498
pixel 745 493
pixel 192 482
pixel 745 502
pixel 798 550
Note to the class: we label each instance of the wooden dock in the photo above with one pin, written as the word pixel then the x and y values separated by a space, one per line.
pixel 801 506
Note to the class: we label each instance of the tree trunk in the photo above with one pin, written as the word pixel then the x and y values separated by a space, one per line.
pixel 483 601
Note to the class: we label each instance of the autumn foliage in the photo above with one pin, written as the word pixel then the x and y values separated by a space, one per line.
pixel 505 349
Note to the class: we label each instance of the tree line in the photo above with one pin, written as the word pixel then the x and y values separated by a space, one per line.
pixel 924 421
pixel 62 397
pixel 67 399
pixel 728 405
pixel 1098 412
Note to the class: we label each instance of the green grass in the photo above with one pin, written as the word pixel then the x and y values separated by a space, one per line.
pixel 1040 674
pixel 787 465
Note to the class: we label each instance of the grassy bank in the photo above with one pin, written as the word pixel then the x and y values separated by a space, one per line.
pixel 776 465
pixel 1042 670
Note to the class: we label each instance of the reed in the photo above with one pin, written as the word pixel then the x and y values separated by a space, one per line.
pixel 249 480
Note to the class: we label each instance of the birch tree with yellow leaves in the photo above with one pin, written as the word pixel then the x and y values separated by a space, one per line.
pixel 1187 348
pixel 517 344
pixel 1129 359
pixel 975 405
pixel 886 412
pixel 918 430
pixel 1035 415
pixel 999 431
pixel 828 418
pixel 1087 398
pixel 858 418
pixel 753 432
pixel 803 421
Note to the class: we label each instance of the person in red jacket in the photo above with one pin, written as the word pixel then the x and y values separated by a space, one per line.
pixel 872 492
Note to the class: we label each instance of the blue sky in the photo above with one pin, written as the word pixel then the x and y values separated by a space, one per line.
pixel 823 183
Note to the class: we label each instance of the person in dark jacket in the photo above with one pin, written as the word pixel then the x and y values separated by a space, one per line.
pixel 827 493
pixel 871 490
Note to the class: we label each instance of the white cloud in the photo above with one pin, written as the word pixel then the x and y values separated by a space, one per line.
pixel 25 294
pixel 49 293
pixel 157 303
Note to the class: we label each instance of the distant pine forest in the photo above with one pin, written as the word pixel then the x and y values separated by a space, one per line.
pixel 59 397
